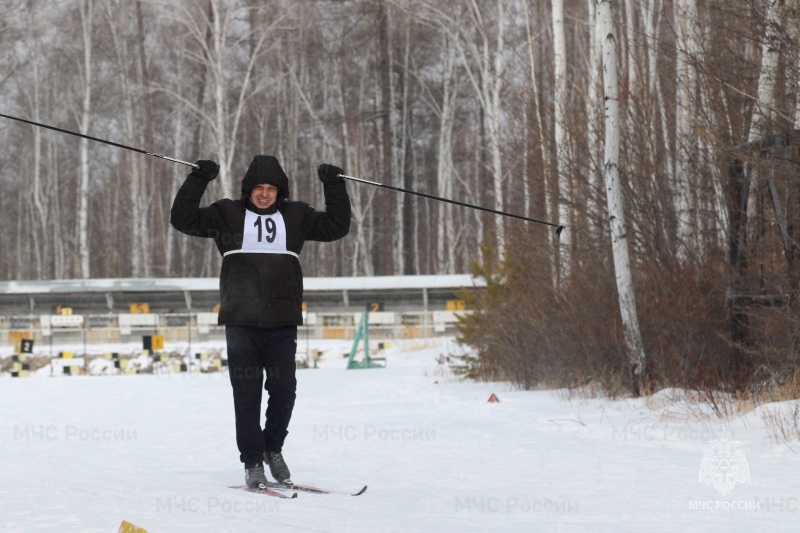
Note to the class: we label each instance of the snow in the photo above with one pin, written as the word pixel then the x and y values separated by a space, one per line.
pixel 83 453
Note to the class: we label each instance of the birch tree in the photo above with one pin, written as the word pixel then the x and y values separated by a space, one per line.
pixel 614 198
pixel 445 244
pixel 631 16
pixel 657 133
pixel 388 160
pixel 178 137
pixel 39 196
pixel 218 46
pixel 541 131
pixel 794 79
pixel 765 98
pixel 441 95
pixel 86 9
pixel 492 63
pixel 564 197
pixel 480 41
pixel 150 198
pixel 593 128
pixel 404 213
pixel 686 25
pixel 138 228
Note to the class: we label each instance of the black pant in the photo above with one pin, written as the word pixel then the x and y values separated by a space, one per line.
pixel 251 351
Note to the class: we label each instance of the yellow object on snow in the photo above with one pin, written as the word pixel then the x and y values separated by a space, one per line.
pixel 127 527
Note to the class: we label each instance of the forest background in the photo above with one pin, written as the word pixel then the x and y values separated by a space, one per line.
pixel 503 104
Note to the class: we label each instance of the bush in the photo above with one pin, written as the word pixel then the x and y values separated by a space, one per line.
pixel 526 330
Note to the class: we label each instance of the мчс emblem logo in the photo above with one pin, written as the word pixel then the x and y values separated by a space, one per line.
pixel 723 465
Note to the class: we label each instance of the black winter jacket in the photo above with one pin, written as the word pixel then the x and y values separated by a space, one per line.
pixel 261 283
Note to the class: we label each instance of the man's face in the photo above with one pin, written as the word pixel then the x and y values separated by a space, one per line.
pixel 264 195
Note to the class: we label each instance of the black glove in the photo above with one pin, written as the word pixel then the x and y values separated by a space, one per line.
pixel 329 174
pixel 208 170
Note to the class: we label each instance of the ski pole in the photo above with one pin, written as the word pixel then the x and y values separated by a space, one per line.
pixel 131 148
pixel 559 227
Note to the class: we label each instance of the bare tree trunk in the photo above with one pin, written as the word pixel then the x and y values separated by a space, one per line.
pixel 486 74
pixel 202 83
pixel 614 198
pixel 39 234
pixel 177 178
pixel 444 163
pixel 593 129
pixel 765 100
pixel 137 227
pixel 19 252
pixel 793 29
pixel 488 84
pixel 152 202
pixel 657 136
pixel 56 232
pixel 218 120
pixel 87 12
pixel 686 150
pixel 561 140
pixel 717 223
pixel 360 198
pixel 542 135
pixel 402 209
pixel 477 173
pixel 385 219
pixel 211 37
pixel 631 19
pixel 493 91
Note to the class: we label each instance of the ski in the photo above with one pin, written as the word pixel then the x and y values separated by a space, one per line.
pixel 312 489
pixel 267 491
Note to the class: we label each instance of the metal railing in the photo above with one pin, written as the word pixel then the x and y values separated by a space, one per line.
pixel 114 328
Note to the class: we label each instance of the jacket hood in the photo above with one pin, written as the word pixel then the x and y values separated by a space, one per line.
pixel 265 169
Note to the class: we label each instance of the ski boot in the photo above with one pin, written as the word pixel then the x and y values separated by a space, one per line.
pixel 254 475
pixel 277 467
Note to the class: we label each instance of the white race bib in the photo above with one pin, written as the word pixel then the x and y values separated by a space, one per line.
pixel 263 234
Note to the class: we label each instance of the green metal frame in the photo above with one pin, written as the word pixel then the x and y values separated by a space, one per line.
pixel 362 331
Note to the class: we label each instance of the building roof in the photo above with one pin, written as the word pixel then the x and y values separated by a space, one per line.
pixel 212 284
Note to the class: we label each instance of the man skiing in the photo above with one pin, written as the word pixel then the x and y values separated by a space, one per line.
pixel 261 291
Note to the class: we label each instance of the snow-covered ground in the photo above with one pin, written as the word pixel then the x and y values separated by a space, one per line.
pixel 83 453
